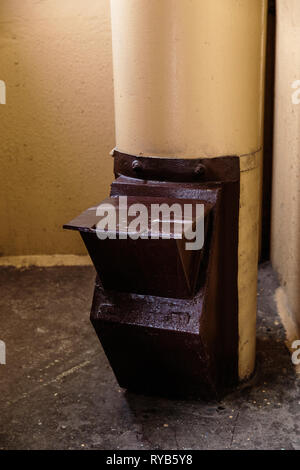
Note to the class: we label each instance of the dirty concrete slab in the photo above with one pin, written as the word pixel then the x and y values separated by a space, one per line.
pixel 57 390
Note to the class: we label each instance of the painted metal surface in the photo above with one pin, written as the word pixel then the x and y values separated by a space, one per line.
pixel 189 83
pixel 168 319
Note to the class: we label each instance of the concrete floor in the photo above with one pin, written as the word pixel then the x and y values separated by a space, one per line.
pixel 57 390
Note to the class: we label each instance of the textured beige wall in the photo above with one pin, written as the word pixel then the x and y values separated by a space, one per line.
pixel 57 127
pixel 285 242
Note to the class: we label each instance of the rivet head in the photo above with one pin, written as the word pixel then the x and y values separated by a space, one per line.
pixel 199 170
pixel 136 166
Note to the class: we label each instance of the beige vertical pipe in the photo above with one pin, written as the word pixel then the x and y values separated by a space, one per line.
pixel 285 237
pixel 189 80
